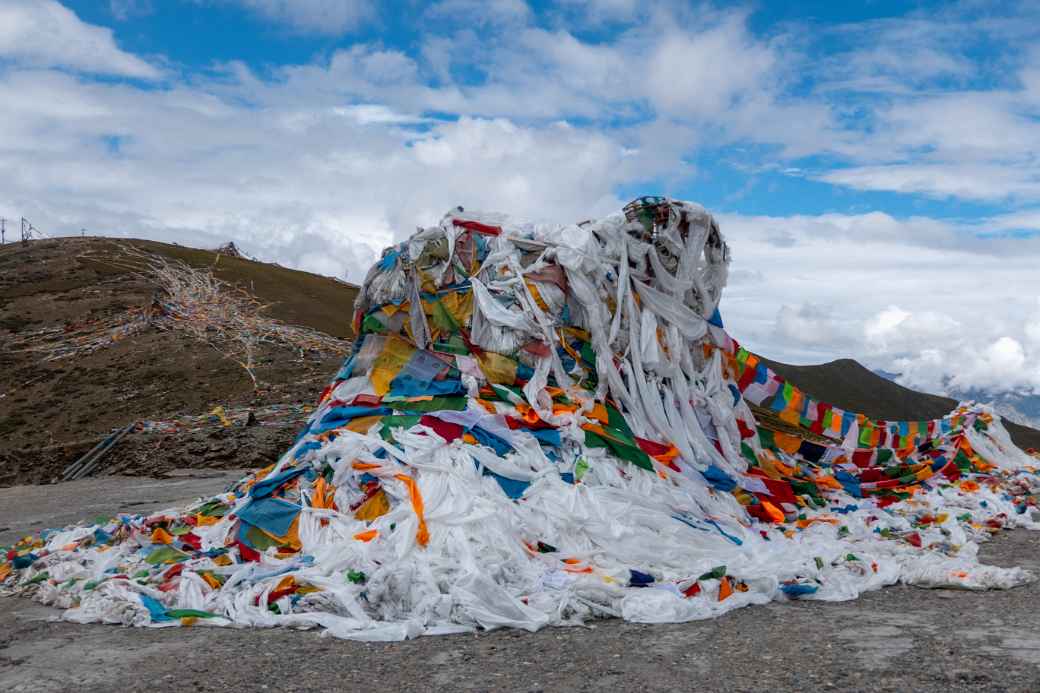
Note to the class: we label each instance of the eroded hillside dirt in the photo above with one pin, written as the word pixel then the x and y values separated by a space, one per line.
pixel 68 292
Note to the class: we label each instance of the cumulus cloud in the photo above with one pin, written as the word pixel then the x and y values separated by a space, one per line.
pixel 967 366
pixel 935 352
pixel 707 72
pixel 895 330
pixel 937 302
pixel 44 33
pixel 182 163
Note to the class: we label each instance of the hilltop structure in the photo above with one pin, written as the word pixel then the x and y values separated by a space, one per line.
pixel 229 249
pixel 545 424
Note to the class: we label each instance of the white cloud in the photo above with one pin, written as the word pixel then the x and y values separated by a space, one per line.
pixel 1032 327
pixel 1004 360
pixel 600 11
pixel 377 114
pixel 125 9
pixel 44 33
pixel 1023 220
pixel 481 12
pixel 894 55
pixel 935 301
pixel 1000 365
pixel 966 181
pixel 332 17
pixel 895 330
pixel 885 324
pixel 810 324
pixel 322 187
pixel 693 74
pixel 704 73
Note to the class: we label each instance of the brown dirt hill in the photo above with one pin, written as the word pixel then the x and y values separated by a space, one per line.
pixel 53 411
pixel 848 384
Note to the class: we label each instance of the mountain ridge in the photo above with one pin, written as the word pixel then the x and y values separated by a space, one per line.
pixel 848 384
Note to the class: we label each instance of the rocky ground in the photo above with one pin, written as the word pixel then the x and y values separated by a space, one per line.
pixel 156 454
pixel 897 639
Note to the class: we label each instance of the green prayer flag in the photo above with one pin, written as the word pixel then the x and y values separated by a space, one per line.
pixel 189 613
pixel 749 454
pixel 372 324
pixel 615 441
pixel 580 468
pixel 616 420
pixel 166 554
pixel 391 422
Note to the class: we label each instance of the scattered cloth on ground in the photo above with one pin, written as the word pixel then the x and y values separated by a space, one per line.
pixel 541 425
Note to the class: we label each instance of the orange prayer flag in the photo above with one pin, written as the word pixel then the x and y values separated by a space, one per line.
pixel 725 588
pixel 323 495
pixel 787 442
pixel 364 466
pixel 599 413
pixel 775 514
pixel 422 536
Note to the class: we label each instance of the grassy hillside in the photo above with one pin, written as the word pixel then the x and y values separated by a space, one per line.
pixel 293 296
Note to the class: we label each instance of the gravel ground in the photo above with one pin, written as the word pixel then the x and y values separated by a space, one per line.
pixel 28 509
pixel 897 639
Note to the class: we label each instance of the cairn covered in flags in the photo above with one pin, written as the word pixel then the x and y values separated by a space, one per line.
pixel 544 424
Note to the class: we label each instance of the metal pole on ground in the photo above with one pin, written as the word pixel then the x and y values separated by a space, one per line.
pixel 85 465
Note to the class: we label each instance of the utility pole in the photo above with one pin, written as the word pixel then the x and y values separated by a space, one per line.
pixel 26 231
pixel 3 229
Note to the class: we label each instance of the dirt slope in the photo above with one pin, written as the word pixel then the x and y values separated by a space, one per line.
pixel 52 411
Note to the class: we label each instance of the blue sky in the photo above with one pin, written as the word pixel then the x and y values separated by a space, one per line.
pixel 873 164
